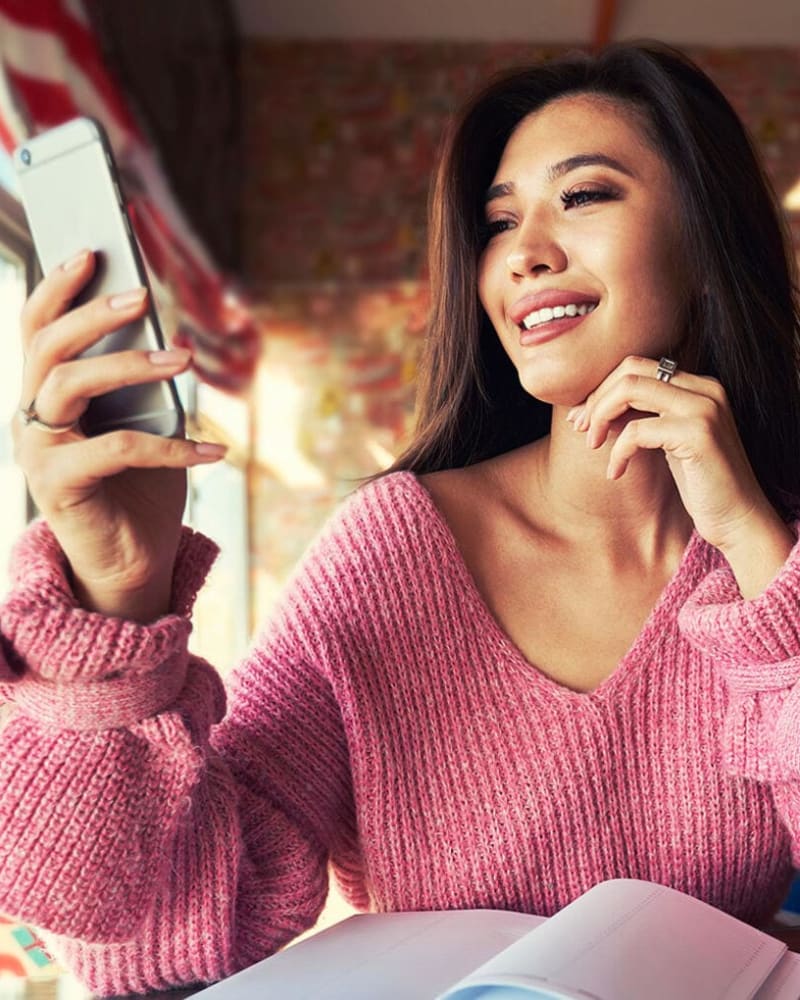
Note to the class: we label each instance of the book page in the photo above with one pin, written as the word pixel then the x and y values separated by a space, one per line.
pixel 391 956
pixel 626 939
pixel 783 982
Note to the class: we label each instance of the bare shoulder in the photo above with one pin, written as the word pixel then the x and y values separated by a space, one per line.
pixel 475 499
pixel 455 488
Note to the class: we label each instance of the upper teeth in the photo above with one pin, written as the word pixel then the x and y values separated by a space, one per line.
pixel 557 312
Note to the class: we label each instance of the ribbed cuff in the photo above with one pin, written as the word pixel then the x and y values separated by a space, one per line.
pixel 757 641
pixel 47 634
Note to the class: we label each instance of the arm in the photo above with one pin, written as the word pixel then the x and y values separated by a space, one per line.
pixel 159 844
pixel 756 644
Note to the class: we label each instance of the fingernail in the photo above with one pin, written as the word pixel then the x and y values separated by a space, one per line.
pixel 75 262
pixel 175 356
pixel 127 300
pixel 572 413
pixel 209 450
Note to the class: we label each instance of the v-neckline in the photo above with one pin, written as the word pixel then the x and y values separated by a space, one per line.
pixel 674 593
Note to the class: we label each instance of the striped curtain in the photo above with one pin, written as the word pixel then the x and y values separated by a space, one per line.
pixel 51 70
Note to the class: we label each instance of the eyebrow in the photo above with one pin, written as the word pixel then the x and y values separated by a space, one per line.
pixel 563 167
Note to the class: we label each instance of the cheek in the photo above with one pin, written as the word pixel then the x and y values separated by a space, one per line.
pixel 490 284
pixel 648 269
pixel 482 281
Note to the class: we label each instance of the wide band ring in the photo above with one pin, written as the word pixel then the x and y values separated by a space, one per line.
pixel 32 419
pixel 666 369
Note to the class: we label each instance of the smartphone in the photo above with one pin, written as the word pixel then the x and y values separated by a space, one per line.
pixel 72 199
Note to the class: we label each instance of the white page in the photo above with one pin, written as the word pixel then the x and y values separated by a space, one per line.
pixel 391 956
pixel 784 982
pixel 626 939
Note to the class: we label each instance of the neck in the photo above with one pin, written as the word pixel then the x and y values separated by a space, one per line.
pixel 638 518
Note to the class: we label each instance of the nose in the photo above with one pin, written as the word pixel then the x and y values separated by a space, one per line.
pixel 536 250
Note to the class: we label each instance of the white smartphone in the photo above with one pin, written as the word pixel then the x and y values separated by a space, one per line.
pixel 72 198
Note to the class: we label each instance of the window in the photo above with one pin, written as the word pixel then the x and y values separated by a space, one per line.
pixel 17 271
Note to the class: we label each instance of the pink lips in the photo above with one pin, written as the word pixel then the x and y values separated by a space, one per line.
pixel 547 299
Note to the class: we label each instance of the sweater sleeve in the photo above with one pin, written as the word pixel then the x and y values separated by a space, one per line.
pixel 156 840
pixel 756 646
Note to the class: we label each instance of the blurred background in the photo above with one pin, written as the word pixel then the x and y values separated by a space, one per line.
pixel 276 155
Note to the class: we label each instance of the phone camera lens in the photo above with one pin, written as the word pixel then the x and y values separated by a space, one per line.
pixel 25 156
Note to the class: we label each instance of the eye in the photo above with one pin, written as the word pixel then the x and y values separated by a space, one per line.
pixel 494 228
pixel 580 197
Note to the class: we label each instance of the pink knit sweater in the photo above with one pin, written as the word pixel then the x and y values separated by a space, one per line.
pixel 383 722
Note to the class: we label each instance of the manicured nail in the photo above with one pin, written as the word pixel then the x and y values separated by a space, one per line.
pixel 127 300
pixel 209 450
pixel 75 262
pixel 176 356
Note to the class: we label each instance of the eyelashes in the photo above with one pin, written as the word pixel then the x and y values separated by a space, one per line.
pixel 487 230
pixel 578 197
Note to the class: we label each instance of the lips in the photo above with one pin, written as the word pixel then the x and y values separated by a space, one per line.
pixel 548 299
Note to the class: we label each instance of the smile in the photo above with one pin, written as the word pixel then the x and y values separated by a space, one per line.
pixel 546 315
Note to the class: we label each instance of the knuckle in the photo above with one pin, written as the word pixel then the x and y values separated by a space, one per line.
pixel 56 381
pixel 123 443
pixel 635 361
pixel 705 426
pixel 631 431
pixel 39 347
pixel 717 391
pixel 710 409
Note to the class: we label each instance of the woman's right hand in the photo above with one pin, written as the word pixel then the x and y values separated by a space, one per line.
pixel 115 501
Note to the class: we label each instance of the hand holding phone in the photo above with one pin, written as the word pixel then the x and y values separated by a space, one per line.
pixel 115 499
pixel 72 199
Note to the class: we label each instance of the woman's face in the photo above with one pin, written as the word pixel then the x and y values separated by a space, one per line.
pixel 583 265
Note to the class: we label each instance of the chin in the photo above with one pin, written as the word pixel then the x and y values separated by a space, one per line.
pixel 556 391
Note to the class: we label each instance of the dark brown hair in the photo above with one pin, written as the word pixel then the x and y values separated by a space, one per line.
pixel 744 325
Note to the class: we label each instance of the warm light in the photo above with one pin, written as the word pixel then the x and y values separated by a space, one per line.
pixel 791 201
pixel 280 414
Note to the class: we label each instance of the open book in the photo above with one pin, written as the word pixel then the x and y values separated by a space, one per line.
pixel 622 940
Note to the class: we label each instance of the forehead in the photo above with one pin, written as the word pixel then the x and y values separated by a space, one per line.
pixel 581 123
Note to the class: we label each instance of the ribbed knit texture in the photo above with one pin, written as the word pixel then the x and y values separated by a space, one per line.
pixel 384 722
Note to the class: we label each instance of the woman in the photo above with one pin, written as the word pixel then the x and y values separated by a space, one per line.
pixel 535 656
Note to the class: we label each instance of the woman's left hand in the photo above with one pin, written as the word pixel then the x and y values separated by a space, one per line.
pixel 690 420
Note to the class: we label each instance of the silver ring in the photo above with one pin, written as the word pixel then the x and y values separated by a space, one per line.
pixel 666 369
pixel 32 419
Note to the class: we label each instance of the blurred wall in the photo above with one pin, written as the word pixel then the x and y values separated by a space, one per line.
pixel 340 140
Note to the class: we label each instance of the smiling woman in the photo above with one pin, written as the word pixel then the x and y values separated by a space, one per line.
pixel 557 643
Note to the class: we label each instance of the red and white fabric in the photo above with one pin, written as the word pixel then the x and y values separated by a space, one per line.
pixel 51 70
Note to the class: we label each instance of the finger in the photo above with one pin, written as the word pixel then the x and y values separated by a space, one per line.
pixel 646 395
pixel 71 334
pixel 54 293
pixel 67 388
pixel 703 385
pixel 647 433
pixel 82 463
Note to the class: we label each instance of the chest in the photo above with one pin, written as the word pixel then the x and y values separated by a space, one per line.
pixel 570 620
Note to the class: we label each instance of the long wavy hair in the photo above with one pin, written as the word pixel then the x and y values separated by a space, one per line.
pixel 743 328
